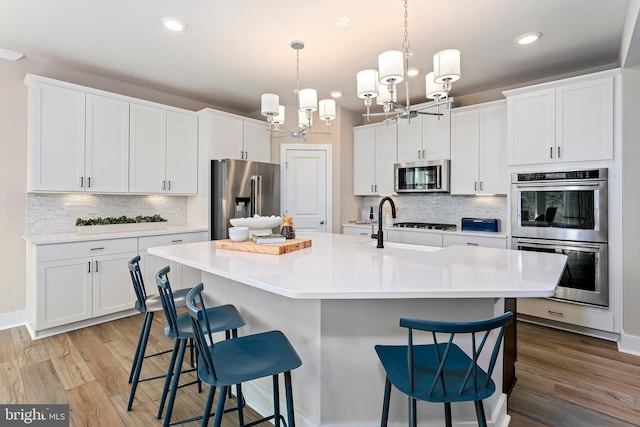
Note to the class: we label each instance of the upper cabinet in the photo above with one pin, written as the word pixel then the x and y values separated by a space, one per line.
pixel 374 154
pixel 81 140
pixel 564 121
pixel 479 149
pixel 237 137
pixel 426 136
pixel 163 151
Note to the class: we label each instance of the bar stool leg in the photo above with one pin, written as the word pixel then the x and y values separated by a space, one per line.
pixel 174 383
pixel 139 357
pixel 167 380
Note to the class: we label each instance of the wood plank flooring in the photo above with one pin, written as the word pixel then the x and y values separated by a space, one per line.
pixel 564 379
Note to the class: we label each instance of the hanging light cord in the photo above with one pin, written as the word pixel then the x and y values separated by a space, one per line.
pixel 405 46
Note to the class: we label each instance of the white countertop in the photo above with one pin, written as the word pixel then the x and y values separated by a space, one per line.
pixel 339 266
pixel 47 239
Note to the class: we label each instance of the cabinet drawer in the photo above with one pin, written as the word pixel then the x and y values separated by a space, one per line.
pixel 574 314
pixel 415 238
pixel 487 242
pixel 172 239
pixel 83 249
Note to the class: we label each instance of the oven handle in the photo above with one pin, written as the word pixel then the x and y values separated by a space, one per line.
pixel 556 185
pixel 572 244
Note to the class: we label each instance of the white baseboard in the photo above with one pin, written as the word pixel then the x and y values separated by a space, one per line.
pixel 629 344
pixel 13 319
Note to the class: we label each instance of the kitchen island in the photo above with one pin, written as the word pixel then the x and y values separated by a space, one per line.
pixel 340 297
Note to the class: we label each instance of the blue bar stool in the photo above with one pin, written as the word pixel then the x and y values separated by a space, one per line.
pixel 147 305
pixel 440 372
pixel 225 363
pixel 178 327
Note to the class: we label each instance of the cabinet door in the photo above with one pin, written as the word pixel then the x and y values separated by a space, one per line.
pixel 584 118
pixel 492 174
pixel 437 134
pixel 107 145
pixel 228 135
pixel 386 156
pixel 465 152
pixel 182 153
pixel 364 145
pixel 410 137
pixel 112 288
pixel 257 142
pixel 57 127
pixel 147 150
pixel 64 293
pixel 531 127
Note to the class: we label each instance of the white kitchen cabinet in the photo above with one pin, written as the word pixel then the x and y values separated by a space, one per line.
pixel 81 280
pixel 564 121
pixel 237 137
pixel 479 149
pixel 163 151
pixel 425 137
pixel 78 142
pixel 499 242
pixel 180 276
pixel 374 154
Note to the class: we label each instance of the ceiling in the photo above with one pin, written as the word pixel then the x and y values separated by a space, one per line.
pixel 233 51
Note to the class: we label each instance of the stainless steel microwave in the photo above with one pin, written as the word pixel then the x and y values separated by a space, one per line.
pixel 422 177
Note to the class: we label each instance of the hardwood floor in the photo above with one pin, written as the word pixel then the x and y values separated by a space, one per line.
pixel 564 380
pixel 567 380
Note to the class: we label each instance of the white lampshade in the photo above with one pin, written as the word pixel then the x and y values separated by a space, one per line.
pixel 367 83
pixel 327 109
pixel 308 99
pixel 279 118
pixel 446 65
pixel 391 66
pixel 385 96
pixel 269 104
pixel 303 122
pixel 434 90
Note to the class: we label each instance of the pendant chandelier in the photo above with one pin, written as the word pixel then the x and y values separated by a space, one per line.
pixel 307 104
pixel 392 68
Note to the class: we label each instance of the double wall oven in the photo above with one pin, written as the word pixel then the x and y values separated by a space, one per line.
pixel 566 212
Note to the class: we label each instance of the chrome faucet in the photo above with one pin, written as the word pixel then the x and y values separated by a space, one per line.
pixel 379 235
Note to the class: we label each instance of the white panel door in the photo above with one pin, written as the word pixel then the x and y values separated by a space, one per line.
pixel 182 153
pixel 58 138
pixel 148 140
pixel 307 191
pixel 107 145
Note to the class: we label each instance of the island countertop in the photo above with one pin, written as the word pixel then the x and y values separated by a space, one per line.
pixel 340 266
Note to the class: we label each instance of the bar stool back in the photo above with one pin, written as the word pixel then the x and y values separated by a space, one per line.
pixel 441 372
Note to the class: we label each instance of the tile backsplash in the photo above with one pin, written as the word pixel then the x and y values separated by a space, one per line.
pixel 444 208
pixel 57 213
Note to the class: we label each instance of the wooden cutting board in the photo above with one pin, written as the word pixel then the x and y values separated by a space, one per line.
pixel 267 248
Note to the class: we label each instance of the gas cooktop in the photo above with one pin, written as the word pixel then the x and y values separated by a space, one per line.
pixel 426 225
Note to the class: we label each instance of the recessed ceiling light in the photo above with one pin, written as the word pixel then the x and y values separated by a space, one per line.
pixel 173 24
pixel 335 94
pixel 412 72
pixel 528 38
pixel 343 21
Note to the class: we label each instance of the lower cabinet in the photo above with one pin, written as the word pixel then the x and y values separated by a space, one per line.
pixel 81 281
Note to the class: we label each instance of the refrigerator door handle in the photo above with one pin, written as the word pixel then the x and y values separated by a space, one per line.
pixel 256 195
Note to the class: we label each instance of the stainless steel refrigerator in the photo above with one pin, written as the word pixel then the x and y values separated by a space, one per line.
pixel 241 189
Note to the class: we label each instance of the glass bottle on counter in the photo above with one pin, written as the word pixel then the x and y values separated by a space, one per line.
pixel 287 228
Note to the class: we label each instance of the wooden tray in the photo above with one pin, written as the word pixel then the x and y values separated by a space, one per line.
pixel 267 248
